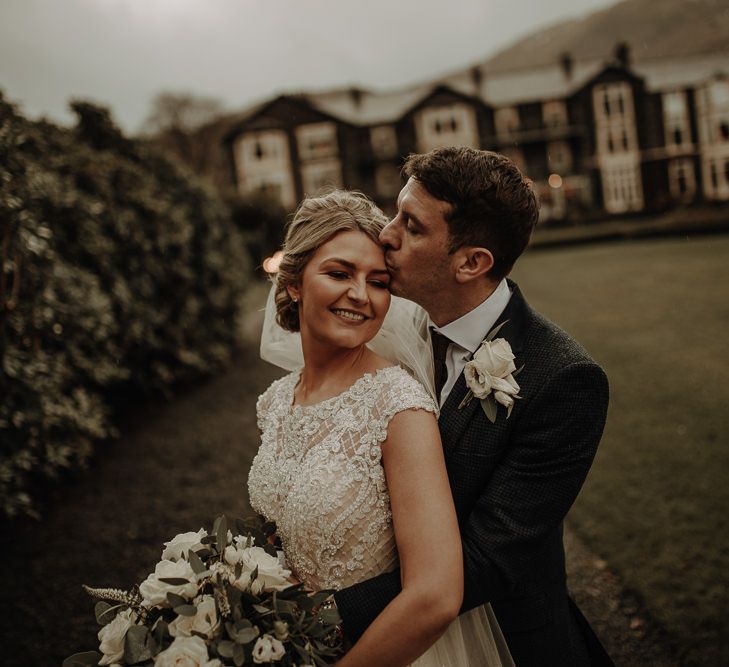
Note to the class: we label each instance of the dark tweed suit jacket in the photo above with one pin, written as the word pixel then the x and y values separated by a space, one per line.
pixel 513 482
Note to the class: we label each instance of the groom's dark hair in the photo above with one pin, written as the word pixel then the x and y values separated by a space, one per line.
pixel 492 204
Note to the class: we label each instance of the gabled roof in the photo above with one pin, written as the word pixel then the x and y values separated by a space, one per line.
pixel 504 88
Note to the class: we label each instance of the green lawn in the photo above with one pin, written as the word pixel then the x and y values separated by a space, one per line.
pixel 655 314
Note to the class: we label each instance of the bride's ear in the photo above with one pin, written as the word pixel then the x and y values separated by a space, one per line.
pixel 294 293
pixel 472 262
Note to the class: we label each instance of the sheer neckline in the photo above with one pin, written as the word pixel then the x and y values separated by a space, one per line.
pixel 296 376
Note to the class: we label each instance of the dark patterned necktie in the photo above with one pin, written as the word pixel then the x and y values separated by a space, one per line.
pixel 440 347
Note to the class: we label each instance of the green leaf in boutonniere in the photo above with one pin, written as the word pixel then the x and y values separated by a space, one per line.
pixel 489 407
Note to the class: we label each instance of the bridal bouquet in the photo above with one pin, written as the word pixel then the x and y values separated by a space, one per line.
pixel 215 599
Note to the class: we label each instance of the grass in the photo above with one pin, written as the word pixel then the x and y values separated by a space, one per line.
pixel 655 314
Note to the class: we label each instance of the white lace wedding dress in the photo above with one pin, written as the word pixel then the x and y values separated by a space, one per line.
pixel 318 475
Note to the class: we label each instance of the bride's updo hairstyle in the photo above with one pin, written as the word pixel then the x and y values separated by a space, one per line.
pixel 316 221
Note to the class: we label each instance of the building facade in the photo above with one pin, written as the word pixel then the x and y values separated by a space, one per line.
pixel 597 139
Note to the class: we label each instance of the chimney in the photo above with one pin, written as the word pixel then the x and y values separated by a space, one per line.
pixel 476 77
pixel 622 54
pixel 567 63
pixel 356 95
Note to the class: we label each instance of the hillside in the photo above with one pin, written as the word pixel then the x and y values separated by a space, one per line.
pixel 653 29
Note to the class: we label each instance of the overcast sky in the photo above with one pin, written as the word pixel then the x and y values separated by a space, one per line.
pixel 122 52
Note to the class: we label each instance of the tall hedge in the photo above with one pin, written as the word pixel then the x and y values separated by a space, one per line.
pixel 120 275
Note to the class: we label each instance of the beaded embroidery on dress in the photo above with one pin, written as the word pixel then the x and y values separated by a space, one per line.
pixel 318 475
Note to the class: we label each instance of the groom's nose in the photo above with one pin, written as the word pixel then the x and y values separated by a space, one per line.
pixel 388 236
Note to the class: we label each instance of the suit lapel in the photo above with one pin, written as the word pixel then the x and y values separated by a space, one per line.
pixel 452 420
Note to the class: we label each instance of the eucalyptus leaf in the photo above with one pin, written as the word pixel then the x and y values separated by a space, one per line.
pixel 82 659
pixel 489 407
pixel 137 645
pixel 186 610
pixel 195 562
pixel 330 616
pixel 225 648
pixel 175 600
pixel 100 609
pixel 239 655
pixel 246 635
pixel 174 581
pixel 222 533
pixel 494 332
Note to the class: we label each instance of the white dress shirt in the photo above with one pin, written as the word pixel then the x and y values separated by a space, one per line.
pixel 468 331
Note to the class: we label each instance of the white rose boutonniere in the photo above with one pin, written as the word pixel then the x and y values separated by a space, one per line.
pixel 490 376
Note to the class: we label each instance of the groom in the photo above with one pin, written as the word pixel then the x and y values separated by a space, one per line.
pixel 464 217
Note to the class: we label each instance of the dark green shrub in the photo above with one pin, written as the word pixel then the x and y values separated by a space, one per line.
pixel 120 274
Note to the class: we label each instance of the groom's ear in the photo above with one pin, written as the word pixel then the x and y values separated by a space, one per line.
pixel 471 263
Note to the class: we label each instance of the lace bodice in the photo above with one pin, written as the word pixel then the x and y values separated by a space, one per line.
pixel 318 475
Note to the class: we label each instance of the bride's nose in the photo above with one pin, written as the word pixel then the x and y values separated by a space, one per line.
pixel 358 291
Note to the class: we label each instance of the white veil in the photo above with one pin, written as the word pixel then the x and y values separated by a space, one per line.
pixel 403 339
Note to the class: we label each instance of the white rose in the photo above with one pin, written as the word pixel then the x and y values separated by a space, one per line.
pixel 155 591
pixel 241 541
pixel 232 555
pixel 478 378
pixel 205 621
pixel 267 649
pixel 180 544
pixel 185 652
pixel 111 637
pixel 496 358
pixel 271 576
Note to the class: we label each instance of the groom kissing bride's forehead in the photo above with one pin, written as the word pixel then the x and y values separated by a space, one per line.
pixel 463 219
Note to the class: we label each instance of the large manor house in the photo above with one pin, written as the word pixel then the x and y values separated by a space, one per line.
pixel 598 139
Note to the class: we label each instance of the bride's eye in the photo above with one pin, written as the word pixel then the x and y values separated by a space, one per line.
pixel 338 275
pixel 381 284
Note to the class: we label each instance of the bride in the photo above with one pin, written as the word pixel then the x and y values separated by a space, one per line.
pixel 350 465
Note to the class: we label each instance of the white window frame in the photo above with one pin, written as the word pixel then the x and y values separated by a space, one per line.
pixel 554 113
pixel 320 175
pixel 383 139
pixel 317 140
pixel 506 121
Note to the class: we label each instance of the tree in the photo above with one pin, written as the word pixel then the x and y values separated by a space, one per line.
pixel 180 123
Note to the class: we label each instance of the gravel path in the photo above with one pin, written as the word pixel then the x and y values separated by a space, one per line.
pixel 176 468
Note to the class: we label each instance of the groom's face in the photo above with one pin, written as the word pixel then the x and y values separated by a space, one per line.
pixel 416 246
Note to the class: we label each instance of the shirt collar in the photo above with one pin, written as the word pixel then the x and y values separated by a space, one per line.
pixel 469 330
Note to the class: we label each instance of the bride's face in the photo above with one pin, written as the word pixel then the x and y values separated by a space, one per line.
pixel 343 294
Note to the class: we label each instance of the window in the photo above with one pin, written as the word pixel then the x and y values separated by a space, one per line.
pixel 559 156
pixel 317 140
pixel 452 125
pixel 384 141
pixel 554 113
pixel 622 189
pixel 613 101
pixel 318 176
pixel 681 179
pixel 506 120
pixel 263 165
pixel 387 180
pixel 676 118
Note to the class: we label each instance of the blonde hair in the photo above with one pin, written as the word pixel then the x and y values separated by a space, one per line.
pixel 316 221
